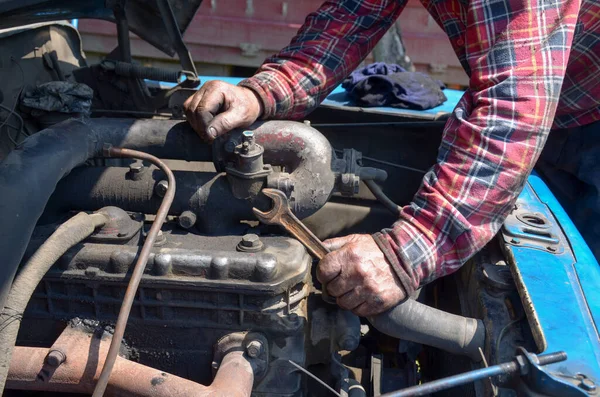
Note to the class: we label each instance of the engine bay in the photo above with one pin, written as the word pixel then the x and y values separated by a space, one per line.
pixel 226 305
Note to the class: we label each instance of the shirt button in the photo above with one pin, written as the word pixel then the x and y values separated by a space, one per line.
pixel 460 42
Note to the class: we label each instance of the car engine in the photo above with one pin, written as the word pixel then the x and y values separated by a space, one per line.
pixel 225 305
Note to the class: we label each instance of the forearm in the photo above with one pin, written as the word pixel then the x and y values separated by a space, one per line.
pixel 491 142
pixel 328 47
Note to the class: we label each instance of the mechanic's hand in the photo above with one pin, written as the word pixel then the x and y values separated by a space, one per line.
pixel 359 276
pixel 230 105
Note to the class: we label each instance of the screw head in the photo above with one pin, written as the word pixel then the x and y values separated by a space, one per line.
pixel 187 219
pixel 515 240
pixel 161 188
pixel 254 348
pixel 551 248
pixel 136 167
pixel 250 243
pixel 250 240
pixel 55 358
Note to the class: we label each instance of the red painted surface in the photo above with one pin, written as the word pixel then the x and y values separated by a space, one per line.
pixel 245 32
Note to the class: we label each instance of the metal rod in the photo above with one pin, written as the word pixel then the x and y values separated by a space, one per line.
pixel 168 18
pixel 407 124
pixel 140 265
pixel 122 32
pixel 471 376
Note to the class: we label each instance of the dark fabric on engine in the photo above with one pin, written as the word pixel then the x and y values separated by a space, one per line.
pixel 382 84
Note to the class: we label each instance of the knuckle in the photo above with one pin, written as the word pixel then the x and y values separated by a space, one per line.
pixel 227 123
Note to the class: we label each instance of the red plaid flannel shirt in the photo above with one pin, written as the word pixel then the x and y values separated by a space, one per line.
pixel 533 64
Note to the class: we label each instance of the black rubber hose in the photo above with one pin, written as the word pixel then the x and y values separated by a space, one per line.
pixel 29 174
pixel 382 197
pixel 70 233
pixel 416 322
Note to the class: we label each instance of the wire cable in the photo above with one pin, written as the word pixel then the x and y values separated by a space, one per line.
pixel 401 166
pixel 140 265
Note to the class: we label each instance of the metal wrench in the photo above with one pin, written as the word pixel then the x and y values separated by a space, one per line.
pixel 281 215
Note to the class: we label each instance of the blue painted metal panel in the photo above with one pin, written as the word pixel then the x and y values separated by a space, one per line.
pixel 563 288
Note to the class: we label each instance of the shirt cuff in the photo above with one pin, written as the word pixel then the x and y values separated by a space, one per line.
pixel 412 256
pixel 254 84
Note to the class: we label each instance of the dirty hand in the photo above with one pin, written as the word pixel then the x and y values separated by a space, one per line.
pixel 359 276
pixel 219 107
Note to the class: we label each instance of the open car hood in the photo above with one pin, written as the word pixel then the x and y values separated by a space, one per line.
pixel 143 16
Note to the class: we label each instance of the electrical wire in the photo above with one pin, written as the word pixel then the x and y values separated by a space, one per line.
pixel 19 130
pixel 12 111
pixel 315 378
pixel 140 265
pixel 503 331
pixel 404 167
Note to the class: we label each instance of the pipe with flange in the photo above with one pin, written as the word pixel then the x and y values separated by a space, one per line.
pixel 73 364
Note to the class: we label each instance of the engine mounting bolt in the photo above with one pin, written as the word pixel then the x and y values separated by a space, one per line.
pixel 55 358
pixel 254 348
pixel 161 188
pixel 187 219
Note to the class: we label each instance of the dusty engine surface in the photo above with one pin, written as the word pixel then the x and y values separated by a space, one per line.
pixel 196 289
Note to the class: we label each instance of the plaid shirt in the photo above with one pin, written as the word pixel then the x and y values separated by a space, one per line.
pixel 533 64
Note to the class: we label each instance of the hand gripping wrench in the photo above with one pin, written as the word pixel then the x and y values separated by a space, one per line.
pixel 281 215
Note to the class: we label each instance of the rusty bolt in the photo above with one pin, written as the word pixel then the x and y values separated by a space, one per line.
pixel 55 358
pixel 254 348
pixel 187 219
pixel 161 188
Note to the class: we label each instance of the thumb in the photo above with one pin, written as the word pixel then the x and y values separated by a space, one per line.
pixel 223 123
pixel 334 244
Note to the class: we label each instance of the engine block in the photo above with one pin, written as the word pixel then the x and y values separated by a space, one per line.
pixel 195 290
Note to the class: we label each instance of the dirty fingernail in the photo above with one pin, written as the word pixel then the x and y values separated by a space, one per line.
pixel 212 132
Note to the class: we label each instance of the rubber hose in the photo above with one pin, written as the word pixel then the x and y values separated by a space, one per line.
pixel 30 173
pixel 416 322
pixel 382 197
pixel 70 233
